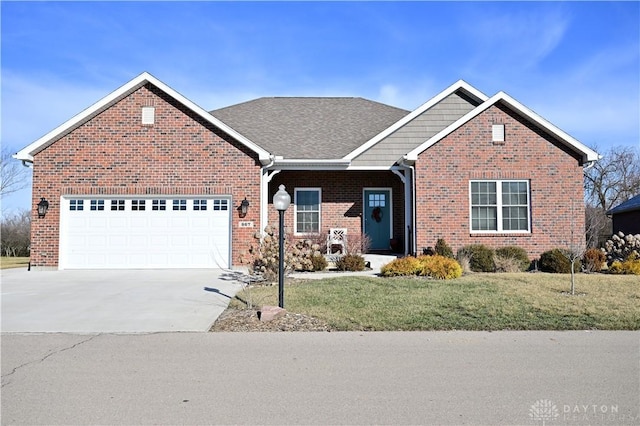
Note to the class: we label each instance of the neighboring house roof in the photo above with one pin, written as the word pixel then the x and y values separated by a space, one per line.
pixel 310 128
pixel 586 153
pixel 630 205
pixel 27 153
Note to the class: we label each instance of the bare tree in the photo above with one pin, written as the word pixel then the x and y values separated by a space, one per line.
pixel 13 175
pixel 15 236
pixel 575 247
pixel 612 180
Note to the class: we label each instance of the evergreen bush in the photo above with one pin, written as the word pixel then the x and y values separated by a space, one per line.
pixel 443 249
pixel 513 258
pixel 557 261
pixel 480 257
pixel 350 262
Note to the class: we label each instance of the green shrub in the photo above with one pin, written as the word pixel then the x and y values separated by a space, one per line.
pixel 557 261
pixel 480 257
pixel 319 262
pixel 593 260
pixel 511 259
pixel 350 262
pixel 443 249
pixel 404 266
pixel 440 267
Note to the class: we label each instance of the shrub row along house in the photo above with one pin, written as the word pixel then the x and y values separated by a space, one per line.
pixel 145 178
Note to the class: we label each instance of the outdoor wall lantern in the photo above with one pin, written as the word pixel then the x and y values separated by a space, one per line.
pixel 43 207
pixel 244 207
pixel 281 201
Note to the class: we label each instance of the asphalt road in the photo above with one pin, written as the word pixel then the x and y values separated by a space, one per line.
pixel 528 378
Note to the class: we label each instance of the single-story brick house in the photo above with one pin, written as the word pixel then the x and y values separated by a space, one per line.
pixel 145 178
pixel 626 216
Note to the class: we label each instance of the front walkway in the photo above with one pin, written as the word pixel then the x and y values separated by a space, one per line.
pixel 376 261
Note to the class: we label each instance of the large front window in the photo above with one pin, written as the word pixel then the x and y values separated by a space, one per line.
pixel 500 206
pixel 307 210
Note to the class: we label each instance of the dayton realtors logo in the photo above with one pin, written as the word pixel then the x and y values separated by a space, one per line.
pixel 544 410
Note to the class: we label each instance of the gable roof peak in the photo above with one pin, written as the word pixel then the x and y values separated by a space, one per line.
pixel 27 153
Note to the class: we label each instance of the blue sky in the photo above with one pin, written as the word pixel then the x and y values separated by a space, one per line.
pixel 575 63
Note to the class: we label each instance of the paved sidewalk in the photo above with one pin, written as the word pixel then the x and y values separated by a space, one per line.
pixel 114 301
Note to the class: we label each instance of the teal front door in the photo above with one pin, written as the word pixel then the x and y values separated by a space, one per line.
pixel 377 217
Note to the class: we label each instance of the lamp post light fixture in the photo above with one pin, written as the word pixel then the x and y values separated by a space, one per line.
pixel 43 207
pixel 244 207
pixel 281 201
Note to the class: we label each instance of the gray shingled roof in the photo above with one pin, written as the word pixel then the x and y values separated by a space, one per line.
pixel 309 128
pixel 628 206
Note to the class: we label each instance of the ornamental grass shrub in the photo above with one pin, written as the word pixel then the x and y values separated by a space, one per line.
pixel 440 267
pixel 511 259
pixel 556 261
pixel 630 266
pixel 480 257
pixel 403 266
pixel 435 266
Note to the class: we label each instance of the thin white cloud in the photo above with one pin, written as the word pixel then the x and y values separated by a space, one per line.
pixel 510 39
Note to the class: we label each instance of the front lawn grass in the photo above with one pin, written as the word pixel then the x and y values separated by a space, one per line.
pixel 518 301
pixel 13 262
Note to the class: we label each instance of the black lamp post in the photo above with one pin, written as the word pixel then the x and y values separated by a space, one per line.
pixel 281 201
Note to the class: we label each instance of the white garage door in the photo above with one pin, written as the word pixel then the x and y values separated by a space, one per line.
pixel 137 233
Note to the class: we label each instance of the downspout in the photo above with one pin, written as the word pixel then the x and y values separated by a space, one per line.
pixel 414 233
pixel 407 213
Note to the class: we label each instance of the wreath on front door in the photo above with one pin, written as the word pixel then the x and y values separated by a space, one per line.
pixel 376 214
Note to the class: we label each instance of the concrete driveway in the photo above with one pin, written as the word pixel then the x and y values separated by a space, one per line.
pixel 115 301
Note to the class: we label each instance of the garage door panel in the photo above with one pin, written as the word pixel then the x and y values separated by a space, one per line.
pixel 146 238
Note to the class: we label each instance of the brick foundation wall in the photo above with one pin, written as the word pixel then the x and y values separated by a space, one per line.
pixel 115 154
pixel 444 170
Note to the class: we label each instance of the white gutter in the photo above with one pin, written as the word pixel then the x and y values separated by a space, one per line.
pixel 304 164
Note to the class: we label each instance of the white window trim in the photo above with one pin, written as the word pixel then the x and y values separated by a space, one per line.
pixel 295 210
pixel 499 206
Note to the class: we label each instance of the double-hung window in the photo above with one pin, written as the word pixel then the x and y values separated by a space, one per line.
pixel 500 206
pixel 307 210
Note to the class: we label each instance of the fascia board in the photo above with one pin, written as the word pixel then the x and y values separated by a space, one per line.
pixel 587 153
pixel 459 85
pixel 26 154
pixel 304 164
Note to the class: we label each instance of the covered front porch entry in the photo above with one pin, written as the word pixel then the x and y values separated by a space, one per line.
pixel 371 203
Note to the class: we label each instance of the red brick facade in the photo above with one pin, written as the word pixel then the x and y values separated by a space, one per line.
pixel 114 153
pixel 444 170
